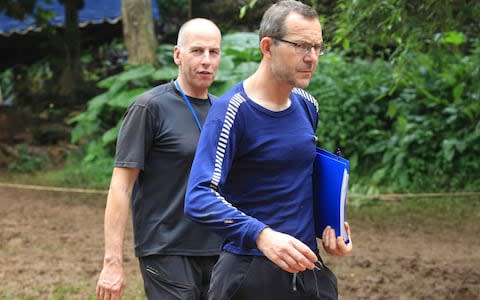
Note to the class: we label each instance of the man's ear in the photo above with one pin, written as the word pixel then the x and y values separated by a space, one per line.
pixel 176 55
pixel 266 44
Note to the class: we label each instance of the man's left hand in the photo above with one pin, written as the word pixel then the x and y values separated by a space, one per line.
pixel 336 245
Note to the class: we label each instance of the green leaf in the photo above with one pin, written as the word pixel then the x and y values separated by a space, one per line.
pixel 448 147
pixel 243 11
pixel 379 175
pixel 110 135
pixel 392 110
pixel 454 37
pixel 134 72
pixel 165 73
pixel 457 92
pixel 124 98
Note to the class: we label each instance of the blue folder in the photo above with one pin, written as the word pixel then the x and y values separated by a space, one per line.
pixel 330 187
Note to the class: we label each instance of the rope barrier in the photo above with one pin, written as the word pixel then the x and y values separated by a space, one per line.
pixel 382 197
pixel 398 197
pixel 51 188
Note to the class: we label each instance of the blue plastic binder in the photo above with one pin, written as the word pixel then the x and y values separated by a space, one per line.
pixel 330 187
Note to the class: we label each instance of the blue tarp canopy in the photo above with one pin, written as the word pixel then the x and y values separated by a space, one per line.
pixel 93 12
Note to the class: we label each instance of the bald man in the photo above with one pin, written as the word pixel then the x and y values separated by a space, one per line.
pixel 155 149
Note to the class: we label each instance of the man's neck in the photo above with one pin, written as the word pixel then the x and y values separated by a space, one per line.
pixel 266 91
pixel 190 91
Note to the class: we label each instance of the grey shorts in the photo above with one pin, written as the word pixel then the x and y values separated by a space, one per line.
pixel 169 277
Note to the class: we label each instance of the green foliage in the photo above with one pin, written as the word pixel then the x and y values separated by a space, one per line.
pixel 418 213
pixel 246 7
pixel 30 85
pixel 21 8
pixel 67 290
pixel 26 162
pixel 172 7
pixel 106 108
pixel 63 291
pixel 6 294
pixel 410 127
pixel 240 57
pixel 96 128
pixel 251 4
pixel 104 60
pixel 411 122
pixel 6 85
pixel 403 101
pixel 391 27
pixel 74 172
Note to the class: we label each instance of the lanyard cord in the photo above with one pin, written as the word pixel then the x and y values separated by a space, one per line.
pixel 192 110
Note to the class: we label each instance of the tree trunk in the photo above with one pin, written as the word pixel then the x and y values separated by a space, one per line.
pixel 71 78
pixel 138 31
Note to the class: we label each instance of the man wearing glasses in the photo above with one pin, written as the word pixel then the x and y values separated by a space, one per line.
pixel 251 176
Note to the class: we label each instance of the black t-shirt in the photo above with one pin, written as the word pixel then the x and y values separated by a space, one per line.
pixel 159 136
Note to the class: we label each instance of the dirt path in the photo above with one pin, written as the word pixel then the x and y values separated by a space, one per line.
pixel 51 247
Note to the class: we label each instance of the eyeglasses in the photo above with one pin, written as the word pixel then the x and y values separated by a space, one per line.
pixel 304 48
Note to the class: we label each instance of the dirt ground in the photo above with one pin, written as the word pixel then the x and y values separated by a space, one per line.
pixel 51 247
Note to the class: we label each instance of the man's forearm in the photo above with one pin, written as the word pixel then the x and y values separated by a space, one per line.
pixel 116 216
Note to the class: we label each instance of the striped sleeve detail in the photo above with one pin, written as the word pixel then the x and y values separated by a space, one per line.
pixel 230 115
pixel 306 96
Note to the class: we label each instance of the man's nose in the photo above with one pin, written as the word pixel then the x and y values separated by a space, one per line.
pixel 206 56
pixel 310 55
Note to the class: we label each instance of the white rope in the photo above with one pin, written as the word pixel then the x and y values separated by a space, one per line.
pixel 398 197
pixel 383 197
pixel 51 188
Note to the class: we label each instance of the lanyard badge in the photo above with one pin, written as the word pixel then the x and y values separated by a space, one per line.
pixel 192 110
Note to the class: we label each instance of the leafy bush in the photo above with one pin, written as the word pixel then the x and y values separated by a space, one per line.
pixel 409 127
pixel 97 127
pixel 27 162
pixel 6 87
pixel 104 60
pixel 240 57
pixel 412 125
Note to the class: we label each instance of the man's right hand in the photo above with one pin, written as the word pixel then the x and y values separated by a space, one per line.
pixel 111 283
pixel 286 251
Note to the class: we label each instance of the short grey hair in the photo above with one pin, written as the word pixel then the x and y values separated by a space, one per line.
pixel 273 21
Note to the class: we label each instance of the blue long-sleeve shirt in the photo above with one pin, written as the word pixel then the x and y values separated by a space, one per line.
pixel 253 169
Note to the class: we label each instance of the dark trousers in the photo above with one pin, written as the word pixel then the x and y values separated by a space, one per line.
pixel 237 277
pixel 167 277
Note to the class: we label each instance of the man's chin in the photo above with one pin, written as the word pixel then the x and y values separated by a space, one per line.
pixel 302 83
pixel 205 81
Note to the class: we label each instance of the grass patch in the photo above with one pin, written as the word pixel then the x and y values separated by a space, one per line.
pixel 450 212
pixel 66 291
pixel 74 173
pixel 6 295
